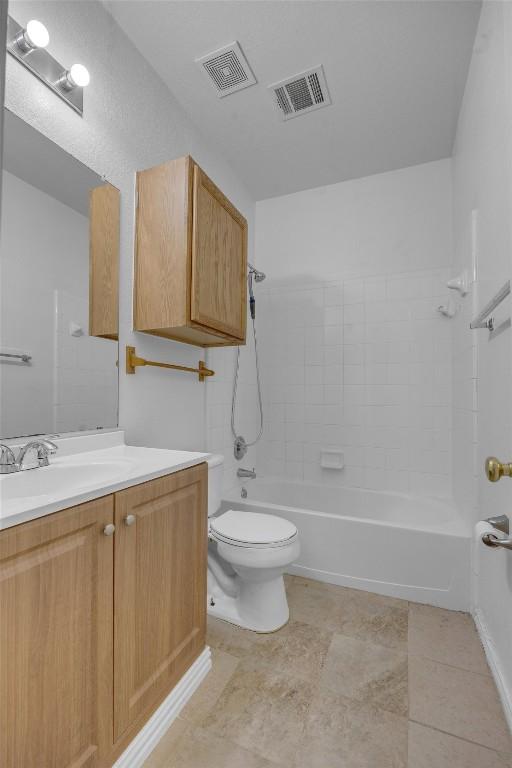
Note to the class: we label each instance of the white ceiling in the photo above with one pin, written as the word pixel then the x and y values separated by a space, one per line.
pixel 395 70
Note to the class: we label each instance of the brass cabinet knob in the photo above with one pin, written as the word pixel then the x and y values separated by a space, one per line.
pixel 495 470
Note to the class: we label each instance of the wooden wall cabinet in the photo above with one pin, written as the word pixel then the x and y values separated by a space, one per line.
pixel 190 258
pixel 95 629
pixel 104 262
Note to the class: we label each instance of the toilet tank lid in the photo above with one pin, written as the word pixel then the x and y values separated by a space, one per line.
pixel 214 460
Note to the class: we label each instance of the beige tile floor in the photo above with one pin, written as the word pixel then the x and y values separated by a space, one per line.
pixel 355 680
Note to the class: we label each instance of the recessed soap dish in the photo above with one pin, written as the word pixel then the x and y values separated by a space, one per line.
pixel 332 458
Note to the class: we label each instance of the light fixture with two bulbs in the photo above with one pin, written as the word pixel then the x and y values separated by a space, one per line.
pixel 28 45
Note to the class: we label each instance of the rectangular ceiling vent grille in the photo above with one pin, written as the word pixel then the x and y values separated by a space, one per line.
pixel 228 69
pixel 301 93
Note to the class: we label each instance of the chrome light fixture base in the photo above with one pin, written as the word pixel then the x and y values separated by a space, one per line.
pixel 43 66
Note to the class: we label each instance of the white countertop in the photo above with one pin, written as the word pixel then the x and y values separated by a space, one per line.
pixel 74 477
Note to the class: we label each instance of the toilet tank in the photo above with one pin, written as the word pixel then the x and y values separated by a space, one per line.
pixel 215 472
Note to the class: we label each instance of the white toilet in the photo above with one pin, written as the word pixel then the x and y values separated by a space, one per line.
pixel 248 553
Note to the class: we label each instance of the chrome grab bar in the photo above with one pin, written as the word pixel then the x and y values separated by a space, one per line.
pixel 23 357
pixel 501 523
pixel 490 540
pixel 482 320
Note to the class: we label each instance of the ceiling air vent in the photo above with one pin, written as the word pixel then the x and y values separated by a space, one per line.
pixel 301 93
pixel 228 69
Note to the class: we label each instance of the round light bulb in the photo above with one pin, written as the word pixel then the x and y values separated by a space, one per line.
pixel 78 76
pixel 36 34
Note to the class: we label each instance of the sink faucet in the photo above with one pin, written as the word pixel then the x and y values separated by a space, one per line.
pixel 7 460
pixel 43 449
pixel 250 473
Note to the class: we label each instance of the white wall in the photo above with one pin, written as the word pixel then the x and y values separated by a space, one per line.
pixel 388 223
pixel 354 352
pixel 130 121
pixel 3 27
pixel 85 371
pixel 71 383
pixel 482 183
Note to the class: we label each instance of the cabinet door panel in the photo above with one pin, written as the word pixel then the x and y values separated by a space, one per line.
pixel 104 262
pixel 219 260
pixel 160 590
pixel 56 593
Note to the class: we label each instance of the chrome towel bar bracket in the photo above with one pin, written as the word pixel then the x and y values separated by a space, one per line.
pixel 490 540
pixel 482 320
pixel 501 523
pixel 23 358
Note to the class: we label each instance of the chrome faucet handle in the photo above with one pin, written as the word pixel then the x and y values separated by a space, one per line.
pixel 46 449
pixel 51 448
pixel 7 460
pixel 43 449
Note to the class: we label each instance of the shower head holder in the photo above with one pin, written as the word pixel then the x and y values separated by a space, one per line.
pixel 239 448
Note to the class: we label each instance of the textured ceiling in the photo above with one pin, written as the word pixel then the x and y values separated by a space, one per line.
pixel 396 73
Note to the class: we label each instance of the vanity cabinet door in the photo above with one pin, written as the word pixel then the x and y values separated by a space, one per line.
pixel 160 591
pixel 56 592
pixel 219 261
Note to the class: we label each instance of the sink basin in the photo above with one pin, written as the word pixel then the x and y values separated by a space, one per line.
pixel 45 481
pixel 79 476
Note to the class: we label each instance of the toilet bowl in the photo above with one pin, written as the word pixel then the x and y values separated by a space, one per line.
pixel 248 553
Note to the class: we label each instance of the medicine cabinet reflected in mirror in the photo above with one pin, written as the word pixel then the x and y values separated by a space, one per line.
pixel 59 254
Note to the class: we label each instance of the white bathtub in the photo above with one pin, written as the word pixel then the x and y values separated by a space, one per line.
pixel 394 544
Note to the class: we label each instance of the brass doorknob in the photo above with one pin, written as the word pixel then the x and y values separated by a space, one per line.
pixel 495 470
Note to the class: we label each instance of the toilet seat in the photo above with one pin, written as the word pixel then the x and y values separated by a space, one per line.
pixel 252 529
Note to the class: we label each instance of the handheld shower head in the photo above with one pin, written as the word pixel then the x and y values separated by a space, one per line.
pixel 258 277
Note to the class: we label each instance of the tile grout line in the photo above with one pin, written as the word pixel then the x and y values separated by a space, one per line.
pixel 450 666
pixel 461 738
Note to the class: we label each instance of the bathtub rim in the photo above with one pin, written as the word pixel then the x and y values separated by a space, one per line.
pixel 458 526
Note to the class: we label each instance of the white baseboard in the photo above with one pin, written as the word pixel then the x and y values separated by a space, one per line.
pixel 148 737
pixel 495 665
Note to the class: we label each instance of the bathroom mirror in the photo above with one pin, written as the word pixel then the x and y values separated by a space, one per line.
pixel 59 253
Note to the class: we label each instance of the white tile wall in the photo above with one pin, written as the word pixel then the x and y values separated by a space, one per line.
pixel 466 466
pixel 85 371
pixel 353 351
pixel 219 390
pixel 365 365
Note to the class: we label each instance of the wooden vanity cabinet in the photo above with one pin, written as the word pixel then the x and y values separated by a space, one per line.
pixel 160 591
pixel 56 639
pixel 190 258
pixel 96 629
pixel 104 204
